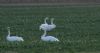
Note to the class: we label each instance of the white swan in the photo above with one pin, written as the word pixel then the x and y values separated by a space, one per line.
pixel 13 38
pixel 45 25
pixel 52 25
pixel 48 38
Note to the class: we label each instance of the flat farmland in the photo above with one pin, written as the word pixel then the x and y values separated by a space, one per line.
pixel 78 28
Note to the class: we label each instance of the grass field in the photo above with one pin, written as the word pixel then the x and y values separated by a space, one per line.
pixel 78 29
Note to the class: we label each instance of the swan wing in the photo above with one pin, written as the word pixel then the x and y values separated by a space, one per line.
pixel 49 38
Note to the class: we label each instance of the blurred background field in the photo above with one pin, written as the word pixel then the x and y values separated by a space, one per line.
pixel 78 28
pixel 47 1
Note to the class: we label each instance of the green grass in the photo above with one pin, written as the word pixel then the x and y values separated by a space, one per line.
pixel 78 29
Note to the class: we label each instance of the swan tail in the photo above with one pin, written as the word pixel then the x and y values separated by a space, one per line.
pixel 57 40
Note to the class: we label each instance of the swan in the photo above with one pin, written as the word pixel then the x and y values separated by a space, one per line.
pixel 13 38
pixel 44 26
pixel 48 38
pixel 52 25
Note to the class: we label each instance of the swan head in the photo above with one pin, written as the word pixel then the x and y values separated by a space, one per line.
pixel 8 27
pixel 52 19
pixel 46 18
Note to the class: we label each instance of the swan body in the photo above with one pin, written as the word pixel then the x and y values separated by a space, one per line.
pixel 13 38
pixel 48 38
pixel 46 26
pixel 52 25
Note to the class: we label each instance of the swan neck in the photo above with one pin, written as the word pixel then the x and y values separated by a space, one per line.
pixel 45 21
pixel 52 21
pixel 8 32
pixel 45 32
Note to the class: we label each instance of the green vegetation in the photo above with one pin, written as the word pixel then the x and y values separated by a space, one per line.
pixel 78 28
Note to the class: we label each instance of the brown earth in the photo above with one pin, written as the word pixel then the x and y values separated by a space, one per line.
pixel 48 1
